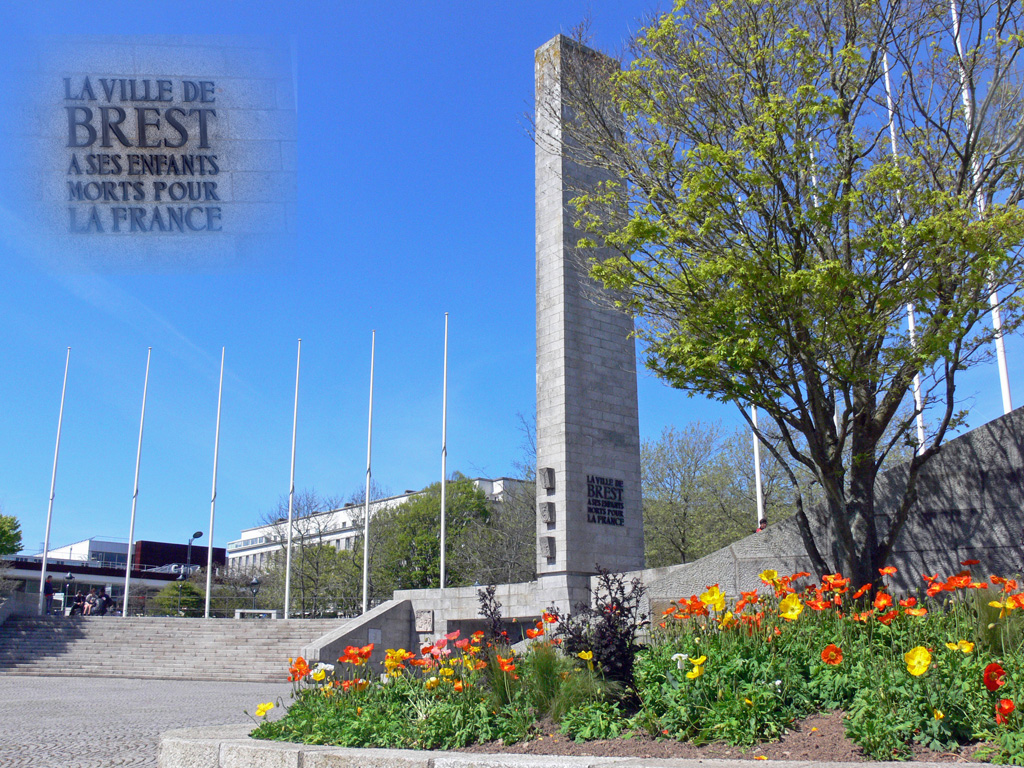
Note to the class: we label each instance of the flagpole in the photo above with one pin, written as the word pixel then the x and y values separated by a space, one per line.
pixel 135 494
pixel 444 449
pixel 291 494
pixel 53 486
pixel 213 495
pixel 918 404
pixel 757 468
pixel 366 500
pixel 979 200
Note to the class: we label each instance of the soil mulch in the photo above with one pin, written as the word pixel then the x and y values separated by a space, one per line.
pixel 819 738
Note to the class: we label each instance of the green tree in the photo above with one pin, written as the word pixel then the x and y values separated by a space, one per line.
pixel 768 242
pixel 10 535
pixel 699 492
pixel 503 548
pixel 315 576
pixel 180 597
pixel 408 538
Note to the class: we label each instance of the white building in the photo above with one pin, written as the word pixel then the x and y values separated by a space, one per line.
pixel 339 528
pixel 103 553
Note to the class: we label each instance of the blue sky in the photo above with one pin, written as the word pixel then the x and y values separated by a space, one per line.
pixel 415 198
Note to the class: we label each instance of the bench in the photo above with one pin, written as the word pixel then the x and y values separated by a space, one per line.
pixel 267 613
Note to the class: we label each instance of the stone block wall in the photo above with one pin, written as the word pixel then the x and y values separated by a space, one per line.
pixel 970 506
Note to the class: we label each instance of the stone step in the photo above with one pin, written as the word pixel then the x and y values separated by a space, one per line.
pixel 169 648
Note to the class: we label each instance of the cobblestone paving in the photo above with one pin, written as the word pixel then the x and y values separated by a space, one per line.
pixel 83 722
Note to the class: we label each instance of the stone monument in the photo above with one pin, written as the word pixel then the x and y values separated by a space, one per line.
pixel 588 438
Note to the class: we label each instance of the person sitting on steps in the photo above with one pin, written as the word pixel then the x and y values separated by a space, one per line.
pixel 90 602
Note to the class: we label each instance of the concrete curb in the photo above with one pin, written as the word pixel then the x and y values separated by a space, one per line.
pixel 229 746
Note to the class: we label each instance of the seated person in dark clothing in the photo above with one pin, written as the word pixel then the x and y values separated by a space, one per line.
pixel 103 603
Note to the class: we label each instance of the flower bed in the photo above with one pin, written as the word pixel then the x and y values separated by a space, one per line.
pixel 942 668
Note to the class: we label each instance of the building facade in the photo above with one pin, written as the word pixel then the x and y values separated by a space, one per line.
pixel 253 550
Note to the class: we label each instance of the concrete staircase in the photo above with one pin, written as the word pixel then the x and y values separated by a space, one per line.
pixel 252 650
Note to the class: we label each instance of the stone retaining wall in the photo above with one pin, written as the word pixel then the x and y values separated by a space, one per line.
pixel 228 746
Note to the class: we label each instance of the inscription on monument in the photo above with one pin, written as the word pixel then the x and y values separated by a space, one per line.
pixel 605 503
pixel 140 155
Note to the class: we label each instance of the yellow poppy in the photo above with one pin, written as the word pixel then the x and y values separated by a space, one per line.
pixel 917 660
pixel 714 598
pixel 790 608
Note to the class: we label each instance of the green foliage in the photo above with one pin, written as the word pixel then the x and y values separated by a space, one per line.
pixel 699 492
pixel 408 536
pixel 609 629
pixel 180 597
pixel 757 225
pixel 720 672
pixel 594 720
pixel 10 535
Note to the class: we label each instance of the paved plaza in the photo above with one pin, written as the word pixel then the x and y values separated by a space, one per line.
pixel 82 722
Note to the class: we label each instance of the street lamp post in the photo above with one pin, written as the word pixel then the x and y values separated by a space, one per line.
pixel 188 567
pixel 69 583
pixel 254 585
pixel 180 580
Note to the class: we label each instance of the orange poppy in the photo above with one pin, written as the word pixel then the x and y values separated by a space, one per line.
pixel 889 570
pixel 960 581
pixel 886 618
pixel 1004 708
pixel 832 654
pixel 860 592
pixel 916 611
pixel 910 602
pixel 882 601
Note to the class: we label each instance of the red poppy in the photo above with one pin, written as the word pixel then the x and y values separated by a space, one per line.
pixel 960 581
pixel 835 582
pixel 748 598
pixel 1004 708
pixel 970 562
pixel 860 592
pixel 889 570
pixel 832 654
pixel 994 676
pixel 534 633
pixel 886 618
pixel 910 602
pixel 882 601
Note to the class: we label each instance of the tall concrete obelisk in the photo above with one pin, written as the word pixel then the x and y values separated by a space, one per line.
pixel 588 440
